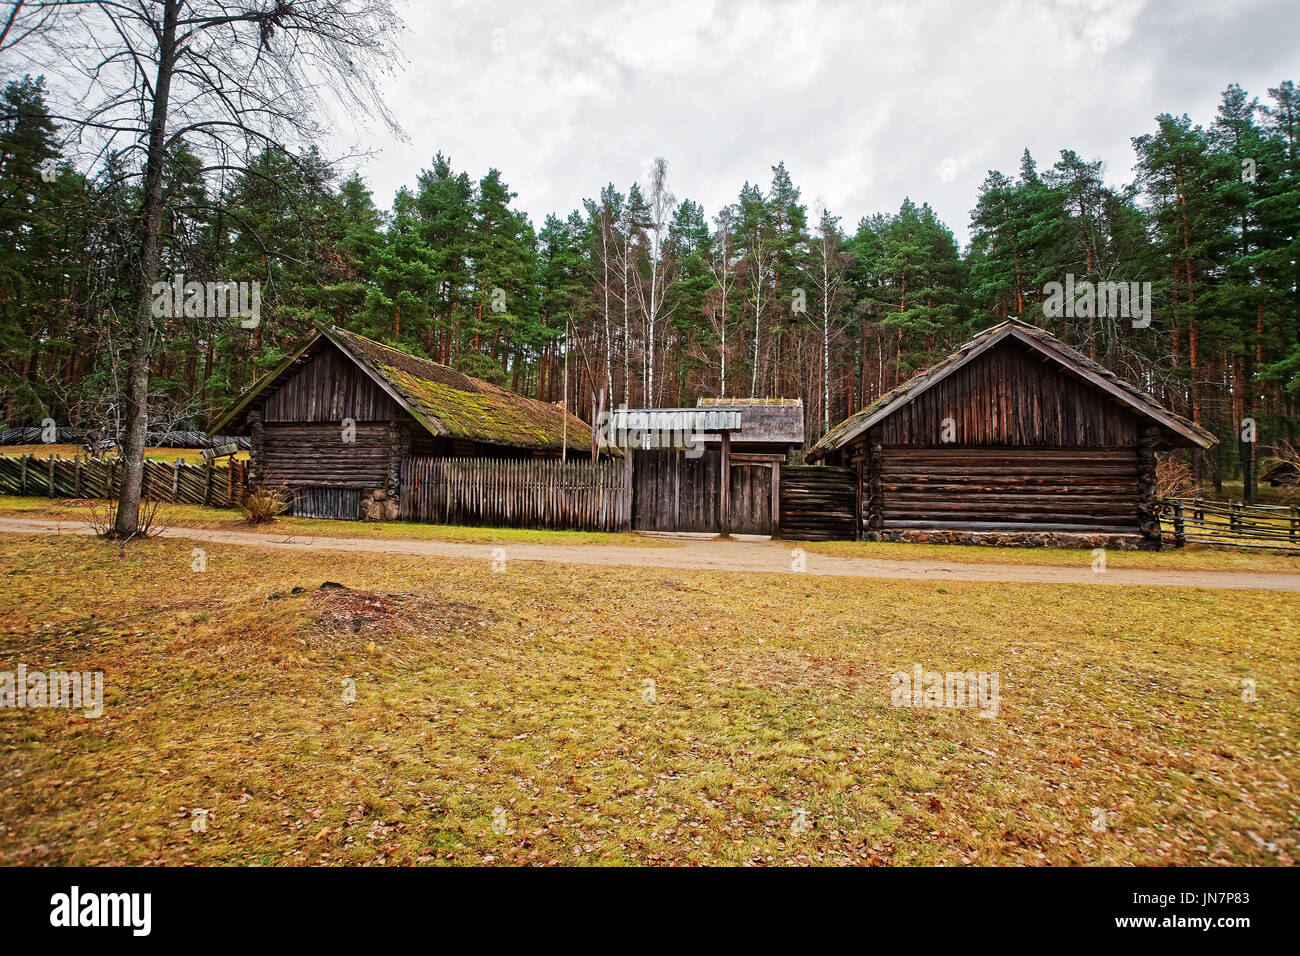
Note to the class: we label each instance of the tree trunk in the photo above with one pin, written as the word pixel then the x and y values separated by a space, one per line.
pixel 137 403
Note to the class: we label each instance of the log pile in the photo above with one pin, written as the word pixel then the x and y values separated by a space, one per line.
pixel 817 503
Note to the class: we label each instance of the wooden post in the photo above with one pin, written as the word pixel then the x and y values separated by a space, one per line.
pixel 875 517
pixel 776 499
pixel 22 475
pixel 857 499
pixel 628 475
pixel 256 447
pixel 207 483
pixel 677 454
pixel 176 481
pixel 725 478
pixel 1180 525
pixel 52 495
pixel 1148 514
pixel 76 481
pixel 1295 524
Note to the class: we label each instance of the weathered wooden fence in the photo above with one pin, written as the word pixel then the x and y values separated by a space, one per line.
pixel 175 481
pixel 580 495
pixel 818 502
pixel 1231 523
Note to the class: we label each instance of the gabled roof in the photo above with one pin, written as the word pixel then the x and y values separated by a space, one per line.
pixel 1042 341
pixel 444 401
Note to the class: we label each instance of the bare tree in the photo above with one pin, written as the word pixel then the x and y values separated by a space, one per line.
pixel 229 78
pixel 721 266
pixel 761 275
pixel 828 278
pixel 652 300
pixel 24 21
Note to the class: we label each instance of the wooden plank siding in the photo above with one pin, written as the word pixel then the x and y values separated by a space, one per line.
pixel 329 387
pixel 339 503
pixel 1011 396
pixel 676 492
pixel 575 495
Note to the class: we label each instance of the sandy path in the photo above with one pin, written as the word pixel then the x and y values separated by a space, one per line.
pixel 716 555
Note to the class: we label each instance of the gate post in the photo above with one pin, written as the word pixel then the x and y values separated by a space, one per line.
pixel 776 500
pixel 725 477
pixel 627 486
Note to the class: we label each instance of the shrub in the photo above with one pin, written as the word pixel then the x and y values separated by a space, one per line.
pixel 265 503
pixel 151 520
pixel 1173 478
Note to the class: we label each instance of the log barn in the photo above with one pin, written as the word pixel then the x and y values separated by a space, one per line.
pixel 335 421
pixel 1014 438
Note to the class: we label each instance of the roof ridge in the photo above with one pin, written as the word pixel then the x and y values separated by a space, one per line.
pixel 1039 338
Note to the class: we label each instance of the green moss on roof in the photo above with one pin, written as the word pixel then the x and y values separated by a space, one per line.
pixel 448 402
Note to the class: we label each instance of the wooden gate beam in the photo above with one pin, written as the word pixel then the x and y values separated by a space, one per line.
pixel 725 479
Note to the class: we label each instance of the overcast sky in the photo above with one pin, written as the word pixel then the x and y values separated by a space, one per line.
pixel 865 102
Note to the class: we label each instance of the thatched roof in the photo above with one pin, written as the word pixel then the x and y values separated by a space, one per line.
pixel 1071 360
pixel 444 401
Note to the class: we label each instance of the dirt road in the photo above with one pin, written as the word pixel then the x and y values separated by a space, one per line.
pixel 716 555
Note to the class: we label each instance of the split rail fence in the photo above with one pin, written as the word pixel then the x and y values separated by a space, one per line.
pixel 1232 523
pixel 175 482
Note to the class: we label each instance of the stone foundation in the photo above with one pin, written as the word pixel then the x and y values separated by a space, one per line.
pixel 1018 539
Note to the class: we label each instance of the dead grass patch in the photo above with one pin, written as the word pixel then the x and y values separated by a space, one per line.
pixel 525 691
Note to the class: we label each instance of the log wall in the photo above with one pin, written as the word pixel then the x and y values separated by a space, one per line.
pixel 309 455
pixel 817 503
pixel 1009 488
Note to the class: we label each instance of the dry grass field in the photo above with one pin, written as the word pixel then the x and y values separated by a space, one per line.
pixel 548 714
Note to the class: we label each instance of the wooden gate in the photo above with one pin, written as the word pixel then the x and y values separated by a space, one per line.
pixel 819 503
pixel 672 491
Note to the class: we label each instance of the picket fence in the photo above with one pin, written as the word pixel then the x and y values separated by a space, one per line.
pixel 576 495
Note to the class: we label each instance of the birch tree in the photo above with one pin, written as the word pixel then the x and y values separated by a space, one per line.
pixel 721 268
pixel 828 276
pixel 651 300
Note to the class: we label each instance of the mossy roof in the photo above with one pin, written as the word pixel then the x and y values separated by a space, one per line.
pixel 457 405
pixel 446 402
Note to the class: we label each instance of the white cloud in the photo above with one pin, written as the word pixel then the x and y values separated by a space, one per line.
pixel 865 102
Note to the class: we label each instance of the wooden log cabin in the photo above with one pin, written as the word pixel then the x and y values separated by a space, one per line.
pixel 334 422
pixel 1015 438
